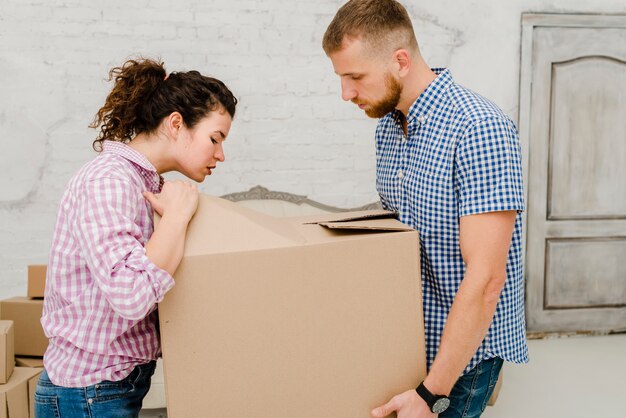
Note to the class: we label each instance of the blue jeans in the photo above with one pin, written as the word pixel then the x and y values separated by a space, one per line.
pixel 470 394
pixel 121 399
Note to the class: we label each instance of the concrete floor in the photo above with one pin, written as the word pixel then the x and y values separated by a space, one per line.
pixel 153 413
pixel 577 377
pixel 573 377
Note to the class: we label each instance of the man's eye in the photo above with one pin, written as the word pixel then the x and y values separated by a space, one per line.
pixel 357 77
pixel 214 141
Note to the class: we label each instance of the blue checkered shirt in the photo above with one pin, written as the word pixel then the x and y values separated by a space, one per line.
pixel 461 157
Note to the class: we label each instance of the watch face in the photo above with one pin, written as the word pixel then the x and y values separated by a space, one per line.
pixel 441 405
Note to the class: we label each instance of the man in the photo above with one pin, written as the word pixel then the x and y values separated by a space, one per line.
pixel 448 161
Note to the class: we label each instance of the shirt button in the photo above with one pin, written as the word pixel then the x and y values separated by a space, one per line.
pixel 400 174
pixel 421 119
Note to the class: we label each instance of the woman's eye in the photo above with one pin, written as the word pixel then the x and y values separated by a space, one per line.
pixel 214 141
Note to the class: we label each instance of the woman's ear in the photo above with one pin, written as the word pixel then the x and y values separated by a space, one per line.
pixel 173 124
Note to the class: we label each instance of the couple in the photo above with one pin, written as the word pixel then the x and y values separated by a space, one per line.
pixel 448 161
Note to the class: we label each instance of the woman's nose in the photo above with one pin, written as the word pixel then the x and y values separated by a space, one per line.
pixel 219 154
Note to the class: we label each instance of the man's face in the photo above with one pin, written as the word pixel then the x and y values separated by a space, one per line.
pixel 366 80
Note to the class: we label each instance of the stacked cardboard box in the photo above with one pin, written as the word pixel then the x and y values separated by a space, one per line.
pixel 17 395
pixel 25 312
pixel 7 351
pixel 21 334
pixel 36 280
pixel 29 361
pixel 17 384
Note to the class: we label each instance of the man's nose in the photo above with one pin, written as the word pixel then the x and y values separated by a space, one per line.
pixel 348 92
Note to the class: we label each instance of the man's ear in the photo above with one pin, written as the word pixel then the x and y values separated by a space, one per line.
pixel 173 124
pixel 402 60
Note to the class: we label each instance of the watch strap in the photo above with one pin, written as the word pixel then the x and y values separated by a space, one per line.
pixel 425 394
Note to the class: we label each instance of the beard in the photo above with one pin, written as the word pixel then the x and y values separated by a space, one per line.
pixel 389 102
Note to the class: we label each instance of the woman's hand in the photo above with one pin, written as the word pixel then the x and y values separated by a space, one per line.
pixel 177 199
pixel 176 204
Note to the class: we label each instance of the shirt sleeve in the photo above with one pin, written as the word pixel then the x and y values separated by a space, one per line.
pixel 112 244
pixel 488 167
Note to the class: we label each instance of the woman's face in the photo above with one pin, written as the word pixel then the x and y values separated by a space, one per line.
pixel 202 146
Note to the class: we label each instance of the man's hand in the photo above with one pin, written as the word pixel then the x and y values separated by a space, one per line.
pixel 406 405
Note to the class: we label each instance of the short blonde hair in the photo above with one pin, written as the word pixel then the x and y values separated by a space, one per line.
pixel 380 24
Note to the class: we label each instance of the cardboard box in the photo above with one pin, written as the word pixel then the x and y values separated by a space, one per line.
pixel 32 387
pixel 26 315
pixel 29 361
pixel 7 351
pixel 17 396
pixel 287 318
pixel 36 280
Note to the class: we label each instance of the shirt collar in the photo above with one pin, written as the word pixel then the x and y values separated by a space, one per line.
pixel 154 181
pixel 420 110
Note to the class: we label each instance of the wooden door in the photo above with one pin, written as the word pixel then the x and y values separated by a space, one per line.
pixel 573 131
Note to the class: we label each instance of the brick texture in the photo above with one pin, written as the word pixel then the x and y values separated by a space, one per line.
pixel 292 131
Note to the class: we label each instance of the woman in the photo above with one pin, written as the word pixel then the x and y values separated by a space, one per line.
pixel 108 265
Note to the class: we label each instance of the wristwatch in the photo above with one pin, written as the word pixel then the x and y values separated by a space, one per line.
pixel 437 403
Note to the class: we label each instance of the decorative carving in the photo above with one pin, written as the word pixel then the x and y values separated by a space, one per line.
pixel 262 193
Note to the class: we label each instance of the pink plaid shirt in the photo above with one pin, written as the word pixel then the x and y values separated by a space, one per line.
pixel 101 290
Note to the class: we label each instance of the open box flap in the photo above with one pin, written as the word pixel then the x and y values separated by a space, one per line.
pixel 369 224
pixel 348 216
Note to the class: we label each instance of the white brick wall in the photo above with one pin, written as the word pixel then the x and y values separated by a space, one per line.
pixel 292 131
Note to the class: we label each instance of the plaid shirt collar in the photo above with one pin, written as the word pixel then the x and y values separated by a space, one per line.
pixel 420 110
pixel 153 180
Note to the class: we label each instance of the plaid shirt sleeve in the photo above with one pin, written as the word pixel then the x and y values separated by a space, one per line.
pixel 112 243
pixel 488 168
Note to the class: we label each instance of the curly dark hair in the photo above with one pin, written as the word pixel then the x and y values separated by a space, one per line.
pixel 143 95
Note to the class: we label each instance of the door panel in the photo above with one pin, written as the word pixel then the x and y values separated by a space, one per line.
pixel 587 147
pixel 572 279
